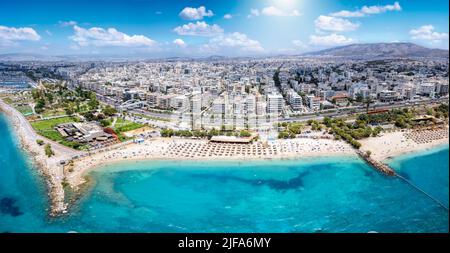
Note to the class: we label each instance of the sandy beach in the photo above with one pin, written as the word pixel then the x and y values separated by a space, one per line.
pixel 192 149
pixel 382 147
pixel 392 144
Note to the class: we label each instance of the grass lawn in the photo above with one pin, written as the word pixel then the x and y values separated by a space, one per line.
pixel 25 110
pixel 128 127
pixel 125 126
pixel 8 100
pixel 50 113
pixel 121 121
pixel 153 118
pixel 46 127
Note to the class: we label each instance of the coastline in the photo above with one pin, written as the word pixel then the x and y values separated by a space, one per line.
pixel 422 152
pixel 49 167
pixel 393 144
pixel 157 149
pixel 382 147
pixel 76 172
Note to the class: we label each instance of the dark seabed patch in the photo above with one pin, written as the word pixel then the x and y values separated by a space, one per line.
pixel 368 173
pixel 7 206
pixel 281 185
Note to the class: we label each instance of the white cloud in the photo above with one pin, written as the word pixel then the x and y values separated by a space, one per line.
pixel 200 28
pixel 426 32
pixel 348 14
pixel 253 13
pixel 327 23
pixel 274 11
pixel 233 43
pixel 179 42
pixel 368 10
pixel 190 13
pixel 48 33
pixel 100 37
pixel 11 34
pixel 227 16
pixel 67 23
pixel 329 40
pixel 381 9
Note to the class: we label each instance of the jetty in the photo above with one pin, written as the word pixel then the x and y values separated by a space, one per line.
pixel 383 168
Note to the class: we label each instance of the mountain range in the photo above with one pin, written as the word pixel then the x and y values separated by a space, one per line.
pixel 384 50
pixel 367 50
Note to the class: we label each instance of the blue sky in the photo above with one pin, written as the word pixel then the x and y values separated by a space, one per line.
pixel 212 27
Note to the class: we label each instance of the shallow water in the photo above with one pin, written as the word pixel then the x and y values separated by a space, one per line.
pixel 339 194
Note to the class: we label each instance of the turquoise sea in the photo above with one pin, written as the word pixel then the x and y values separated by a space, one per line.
pixel 340 194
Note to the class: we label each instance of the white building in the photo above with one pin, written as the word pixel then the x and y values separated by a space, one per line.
pixel 218 106
pixel 361 89
pixel 388 95
pixel 442 88
pixel 313 102
pixel 179 102
pixel 427 89
pixel 274 103
pixel 295 100
pixel 250 104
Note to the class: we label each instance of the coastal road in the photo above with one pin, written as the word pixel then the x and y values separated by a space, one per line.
pixel 321 115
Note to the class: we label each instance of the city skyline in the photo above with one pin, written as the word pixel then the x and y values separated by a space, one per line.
pixel 204 28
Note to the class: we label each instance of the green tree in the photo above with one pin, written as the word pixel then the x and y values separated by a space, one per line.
pixel 89 116
pixel 327 121
pixel 368 101
pixel 109 111
pixel 69 110
pixel 93 102
pixel 49 97
pixel 401 122
pixel 48 150
pixel 198 134
pixel 245 133
pixel 167 133
pixel 359 98
pixel 40 104
pixel 283 135
pixel 213 132
pixel 35 94
pixel 105 122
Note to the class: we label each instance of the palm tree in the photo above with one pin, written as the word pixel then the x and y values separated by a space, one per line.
pixel 368 101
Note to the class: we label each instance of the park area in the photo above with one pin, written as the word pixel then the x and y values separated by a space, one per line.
pixel 46 128
pixel 123 125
